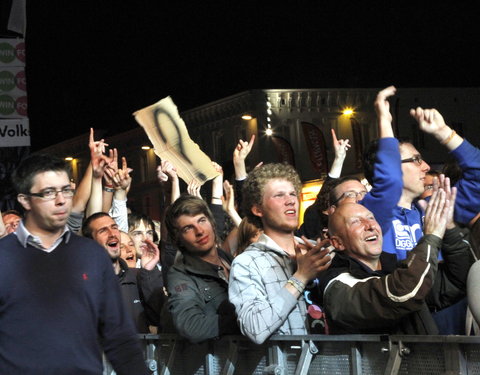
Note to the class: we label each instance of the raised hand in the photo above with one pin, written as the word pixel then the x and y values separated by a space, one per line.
pixel 340 146
pixel 311 259
pixel 150 255
pixel 228 202
pixel 165 170
pixel 97 148
pixel 97 158
pixel 382 108
pixel 439 211
pixel 240 153
pixel 242 149
pixel 193 188
pixel 122 179
pixel 429 120
pixel 443 183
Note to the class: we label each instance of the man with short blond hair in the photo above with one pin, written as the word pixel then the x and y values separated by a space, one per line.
pixel 268 279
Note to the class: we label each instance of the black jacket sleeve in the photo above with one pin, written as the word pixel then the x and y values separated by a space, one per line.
pixel 150 288
pixel 451 279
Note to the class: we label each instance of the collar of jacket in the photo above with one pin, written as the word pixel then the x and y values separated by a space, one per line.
pixel 360 270
pixel 196 265
pixel 127 275
pixel 265 243
pixel 342 263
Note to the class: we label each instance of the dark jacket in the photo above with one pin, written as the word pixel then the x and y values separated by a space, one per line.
pixel 198 298
pixel 394 300
pixel 131 297
pixel 139 284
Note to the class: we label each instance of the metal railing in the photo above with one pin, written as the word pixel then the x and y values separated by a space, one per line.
pixel 313 354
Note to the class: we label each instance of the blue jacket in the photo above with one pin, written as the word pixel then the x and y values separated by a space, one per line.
pixel 467 205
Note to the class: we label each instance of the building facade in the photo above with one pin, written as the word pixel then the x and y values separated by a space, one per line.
pixel 289 125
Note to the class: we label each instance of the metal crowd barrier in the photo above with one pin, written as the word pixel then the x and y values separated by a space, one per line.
pixel 313 354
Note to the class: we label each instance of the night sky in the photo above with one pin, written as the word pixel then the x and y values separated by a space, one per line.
pixel 92 63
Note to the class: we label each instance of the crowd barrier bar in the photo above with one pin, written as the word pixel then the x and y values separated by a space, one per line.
pixel 312 354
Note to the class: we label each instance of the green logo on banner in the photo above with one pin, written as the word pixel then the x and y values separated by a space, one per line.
pixel 7 105
pixel 7 53
pixel 7 81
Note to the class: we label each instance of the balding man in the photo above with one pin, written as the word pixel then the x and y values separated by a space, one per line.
pixel 366 291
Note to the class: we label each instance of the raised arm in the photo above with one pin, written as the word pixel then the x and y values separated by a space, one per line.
pixel 99 164
pixel 240 153
pixel 217 185
pixel 340 147
pixel 431 121
pixel 382 108
pixel 167 171
pixel 229 203
pixel 83 189
pixel 467 205
pixel 108 189
pixel 121 184
pixel 384 165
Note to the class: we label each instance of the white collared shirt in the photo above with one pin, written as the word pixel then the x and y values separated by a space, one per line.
pixel 26 238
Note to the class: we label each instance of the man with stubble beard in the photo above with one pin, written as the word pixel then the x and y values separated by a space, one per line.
pixel 140 287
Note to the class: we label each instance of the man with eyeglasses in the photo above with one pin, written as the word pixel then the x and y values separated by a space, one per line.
pixel 59 298
pixel 405 228
pixel 384 175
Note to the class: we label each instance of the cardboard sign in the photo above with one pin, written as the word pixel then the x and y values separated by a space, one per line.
pixel 171 141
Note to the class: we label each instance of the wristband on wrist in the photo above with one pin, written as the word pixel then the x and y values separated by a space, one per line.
pixel 450 137
pixel 108 189
pixel 295 280
pixel 295 286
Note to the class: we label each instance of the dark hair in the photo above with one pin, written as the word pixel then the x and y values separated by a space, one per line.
pixel 452 170
pixel 11 212
pixel 433 172
pixel 332 196
pixel 322 202
pixel 22 177
pixel 186 205
pixel 135 218
pixel 369 157
pixel 86 230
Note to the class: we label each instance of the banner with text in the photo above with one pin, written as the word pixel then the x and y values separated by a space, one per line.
pixel 14 132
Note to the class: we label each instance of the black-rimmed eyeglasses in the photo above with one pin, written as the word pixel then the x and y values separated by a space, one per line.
pixel 417 159
pixel 50 194
pixel 351 194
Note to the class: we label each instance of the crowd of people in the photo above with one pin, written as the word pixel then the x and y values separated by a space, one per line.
pixel 388 255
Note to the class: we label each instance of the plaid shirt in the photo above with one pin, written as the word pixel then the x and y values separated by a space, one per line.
pixel 257 289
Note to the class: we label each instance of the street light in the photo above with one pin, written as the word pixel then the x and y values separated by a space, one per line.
pixel 348 112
